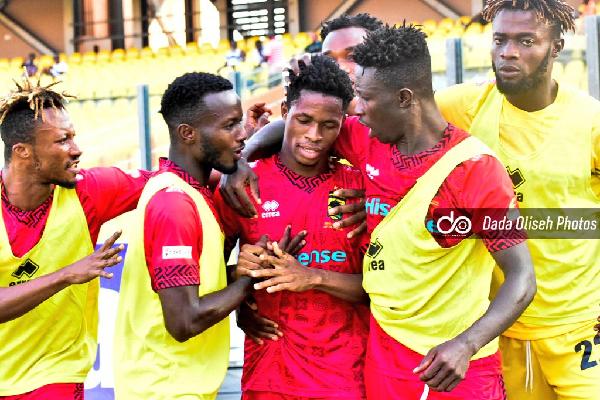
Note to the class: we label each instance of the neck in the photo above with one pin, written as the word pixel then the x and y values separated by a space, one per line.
pixel 24 191
pixel 424 131
pixel 305 170
pixel 199 171
pixel 536 99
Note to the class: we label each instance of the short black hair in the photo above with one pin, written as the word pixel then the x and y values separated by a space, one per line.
pixel 363 20
pixel 559 15
pixel 400 56
pixel 22 110
pixel 183 101
pixel 322 75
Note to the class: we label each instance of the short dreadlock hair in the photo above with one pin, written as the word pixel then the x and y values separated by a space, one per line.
pixel 22 109
pixel 183 101
pixel 559 15
pixel 400 56
pixel 364 20
pixel 322 75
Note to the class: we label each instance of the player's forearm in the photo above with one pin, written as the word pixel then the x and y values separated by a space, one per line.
pixel 344 286
pixel 215 306
pixel 20 299
pixel 267 141
pixel 512 299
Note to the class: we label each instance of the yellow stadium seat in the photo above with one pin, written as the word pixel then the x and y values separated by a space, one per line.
pixel 176 51
pixel 117 55
pixel 223 45
pixel 463 20
pixel 162 52
pixel 103 56
pixel 74 58
pixel 191 48
pixel 207 49
pixel 16 62
pixel 429 24
pixel 146 53
pixel 302 36
pixel 88 57
pixel 132 53
pixel 474 29
pixel 446 23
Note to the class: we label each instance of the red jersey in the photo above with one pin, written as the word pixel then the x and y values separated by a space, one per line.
pixel 104 193
pixel 321 353
pixel 389 176
pixel 176 210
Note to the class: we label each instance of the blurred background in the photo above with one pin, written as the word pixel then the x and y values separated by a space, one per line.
pixel 117 57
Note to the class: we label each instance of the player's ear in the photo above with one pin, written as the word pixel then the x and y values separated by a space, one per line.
pixel 186 133
pixel 284 109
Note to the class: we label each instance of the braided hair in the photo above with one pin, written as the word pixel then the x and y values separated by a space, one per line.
pixel 556 13
pixel 23 108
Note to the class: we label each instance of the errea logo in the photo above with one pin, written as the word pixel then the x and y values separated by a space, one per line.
pixel 372 172
pixel 270 207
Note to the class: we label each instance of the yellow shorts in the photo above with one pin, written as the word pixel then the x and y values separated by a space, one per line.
pixel 565 367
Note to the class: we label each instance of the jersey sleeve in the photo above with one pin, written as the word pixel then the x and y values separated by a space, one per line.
pixel 352 142
pixel 457 102
pixel 172 240
pixel 493 199
pixel 109 192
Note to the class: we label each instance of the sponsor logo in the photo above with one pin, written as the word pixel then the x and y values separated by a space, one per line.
pixel 27 268
pixel 270 209
pixel 374 249
pixel 374 206
pixel 174 189
pixel 372 172
pixel 372 252
pixel 449 225
pixel 321 257
pixel 335 201
pixel 176 252
pixel 517 178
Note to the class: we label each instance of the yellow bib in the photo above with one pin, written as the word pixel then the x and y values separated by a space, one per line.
pixel 148 362
pixel 56 341
pixel 555 175
pixel 422 294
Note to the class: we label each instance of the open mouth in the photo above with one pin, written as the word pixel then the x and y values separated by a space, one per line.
pixel 73 167
pixel 237 154
pixel 310 151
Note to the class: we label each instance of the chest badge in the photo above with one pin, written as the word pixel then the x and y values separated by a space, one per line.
pixel 335 201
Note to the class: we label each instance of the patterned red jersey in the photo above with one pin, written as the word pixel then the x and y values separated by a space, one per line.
pixel 321 353
pixel 472 189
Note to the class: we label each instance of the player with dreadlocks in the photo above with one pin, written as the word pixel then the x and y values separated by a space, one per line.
pixel 547 134
pixel 49 223
pixel 317 298
pixel 429 292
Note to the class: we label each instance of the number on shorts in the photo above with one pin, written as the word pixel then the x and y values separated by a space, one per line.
pixel 586 345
